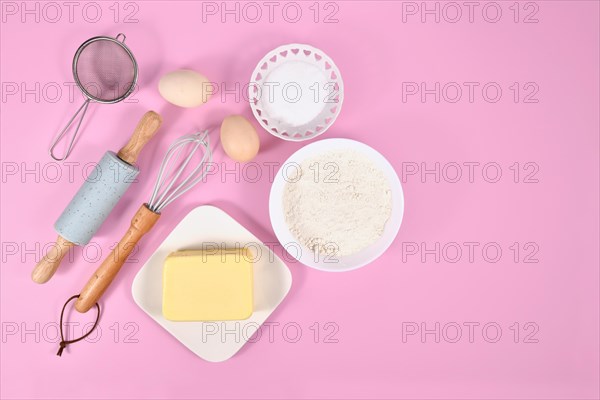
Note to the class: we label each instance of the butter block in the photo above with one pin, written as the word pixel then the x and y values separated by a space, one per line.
pixel 215 285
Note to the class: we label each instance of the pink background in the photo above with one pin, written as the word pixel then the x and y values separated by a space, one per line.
pixel 376 51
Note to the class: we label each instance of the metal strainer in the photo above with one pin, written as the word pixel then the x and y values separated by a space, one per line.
pixel 106 72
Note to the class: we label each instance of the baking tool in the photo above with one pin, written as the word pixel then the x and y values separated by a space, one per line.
pixel 296 92
pixel 106 72
pixel 324 262
pixel 170 184
pixel 207 227
pixel 96 198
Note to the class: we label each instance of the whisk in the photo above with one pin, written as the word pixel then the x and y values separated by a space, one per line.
pixel 172 182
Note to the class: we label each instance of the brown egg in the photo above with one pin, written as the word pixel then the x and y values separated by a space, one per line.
pixel 239 138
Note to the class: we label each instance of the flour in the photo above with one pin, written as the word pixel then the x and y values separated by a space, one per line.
pixel 337 203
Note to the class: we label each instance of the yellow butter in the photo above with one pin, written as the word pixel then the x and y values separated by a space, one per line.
pixel 208 285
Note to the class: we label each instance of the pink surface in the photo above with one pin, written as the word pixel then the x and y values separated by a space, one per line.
pixel 547 292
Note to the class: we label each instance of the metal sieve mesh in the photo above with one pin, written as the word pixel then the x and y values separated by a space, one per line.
pixel 104 70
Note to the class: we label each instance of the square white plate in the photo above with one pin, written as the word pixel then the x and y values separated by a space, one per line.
pixel 210 226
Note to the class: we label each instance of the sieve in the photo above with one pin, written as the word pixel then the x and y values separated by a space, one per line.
pixel 106 72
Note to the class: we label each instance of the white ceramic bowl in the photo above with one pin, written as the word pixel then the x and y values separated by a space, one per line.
pixel 258 92
pixel 304 254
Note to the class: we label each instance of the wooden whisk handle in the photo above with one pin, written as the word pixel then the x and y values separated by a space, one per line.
pixel 141 223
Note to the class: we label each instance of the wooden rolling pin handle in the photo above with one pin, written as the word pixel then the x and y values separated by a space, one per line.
pixel 144 131
pixel 48 265
pixel 141 223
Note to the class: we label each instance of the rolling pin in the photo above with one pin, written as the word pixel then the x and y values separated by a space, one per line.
pixel 97 197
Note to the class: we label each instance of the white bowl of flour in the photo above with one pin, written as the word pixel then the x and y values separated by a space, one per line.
pixel 336 205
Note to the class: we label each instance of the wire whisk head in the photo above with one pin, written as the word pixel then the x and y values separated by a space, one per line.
pixel 173 180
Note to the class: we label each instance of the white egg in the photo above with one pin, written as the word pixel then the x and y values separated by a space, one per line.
pixel 185 88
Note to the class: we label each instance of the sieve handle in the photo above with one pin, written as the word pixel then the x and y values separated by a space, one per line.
pixel 142 222
pixel 50 262
pixel 64 131
pixel 144 131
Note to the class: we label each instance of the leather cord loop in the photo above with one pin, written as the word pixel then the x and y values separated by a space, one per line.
pixel 63 342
